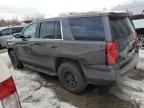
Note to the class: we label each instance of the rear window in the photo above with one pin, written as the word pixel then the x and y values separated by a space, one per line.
pixel 47 30
pixel 121 27
pixel 87 28
pixel 50 30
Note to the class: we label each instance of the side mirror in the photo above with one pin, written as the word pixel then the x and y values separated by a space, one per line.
pixel 17 35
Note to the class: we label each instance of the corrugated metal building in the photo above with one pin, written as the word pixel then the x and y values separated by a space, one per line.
pixel 135 8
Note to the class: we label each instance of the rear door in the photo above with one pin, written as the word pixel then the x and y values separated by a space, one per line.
pixel 124 35
pixel 87 43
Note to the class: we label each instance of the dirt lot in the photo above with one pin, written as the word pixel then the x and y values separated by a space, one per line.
pixel 93 97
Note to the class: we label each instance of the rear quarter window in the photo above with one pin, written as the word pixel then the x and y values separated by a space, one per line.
pixel 87 28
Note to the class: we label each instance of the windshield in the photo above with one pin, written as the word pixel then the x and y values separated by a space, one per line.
pixel 121 27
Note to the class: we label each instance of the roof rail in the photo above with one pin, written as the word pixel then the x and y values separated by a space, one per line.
pixel 77 13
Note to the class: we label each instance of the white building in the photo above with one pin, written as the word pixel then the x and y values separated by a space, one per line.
pixel 135 8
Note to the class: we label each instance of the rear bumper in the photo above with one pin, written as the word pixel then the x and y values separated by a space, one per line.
pixel 129 67
pixel 108 75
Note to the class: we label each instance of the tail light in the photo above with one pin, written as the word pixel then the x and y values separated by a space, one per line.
pixel 112 54
pixel 8 94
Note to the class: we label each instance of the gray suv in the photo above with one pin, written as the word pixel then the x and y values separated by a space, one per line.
pixel 81 49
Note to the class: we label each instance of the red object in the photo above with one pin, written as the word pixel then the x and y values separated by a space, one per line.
pixel 7 88
pixel 112 53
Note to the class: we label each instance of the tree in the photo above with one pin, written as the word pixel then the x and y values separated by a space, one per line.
pixel 12 22
pixel 35 16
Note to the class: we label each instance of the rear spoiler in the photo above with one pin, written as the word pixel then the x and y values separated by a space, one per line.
pixel 120 14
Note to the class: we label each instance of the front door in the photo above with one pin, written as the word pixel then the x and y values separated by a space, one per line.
pixel 24 44
pixel 47 47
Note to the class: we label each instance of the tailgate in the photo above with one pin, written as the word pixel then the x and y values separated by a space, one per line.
pixel 123 34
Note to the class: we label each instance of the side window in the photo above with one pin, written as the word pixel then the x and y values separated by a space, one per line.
pixel 50 30
pixel 47 30
pixel 30 31
pixel 57 30
pixel 87 28
pixel 6 32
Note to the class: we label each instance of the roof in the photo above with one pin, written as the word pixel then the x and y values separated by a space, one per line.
pixel 73 14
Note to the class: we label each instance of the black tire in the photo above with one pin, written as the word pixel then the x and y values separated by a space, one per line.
pixel 15 61
pixel 71 76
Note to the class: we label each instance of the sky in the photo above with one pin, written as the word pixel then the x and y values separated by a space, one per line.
pixel 20 8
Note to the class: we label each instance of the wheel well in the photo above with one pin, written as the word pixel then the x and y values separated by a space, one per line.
pixel 61 60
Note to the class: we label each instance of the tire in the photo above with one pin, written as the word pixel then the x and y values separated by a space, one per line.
pixel 71 77
pixel 15 61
